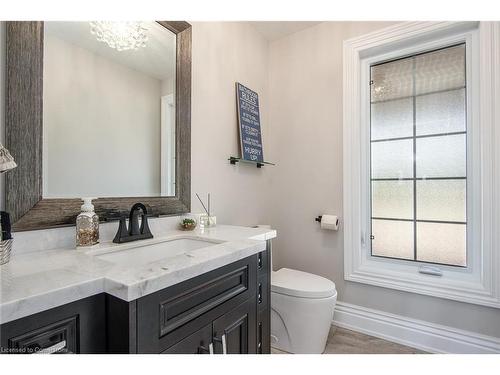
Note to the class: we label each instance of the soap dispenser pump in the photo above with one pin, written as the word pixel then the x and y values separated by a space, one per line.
pixel 87 225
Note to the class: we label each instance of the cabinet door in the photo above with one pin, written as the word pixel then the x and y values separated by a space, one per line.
pixel 237 329
pixel 197 343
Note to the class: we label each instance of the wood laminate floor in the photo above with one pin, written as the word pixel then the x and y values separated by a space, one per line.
pixel 344 341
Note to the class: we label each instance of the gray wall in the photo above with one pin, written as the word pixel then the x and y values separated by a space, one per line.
pixel 223 53
pixel 305 92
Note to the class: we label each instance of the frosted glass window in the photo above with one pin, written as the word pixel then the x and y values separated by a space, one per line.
pixel 441 156
pixel 442 200
pixel 392 159
pixel 443 112
pixel 392 80
pixel 442 243
pixel 392 199
pixel 440 70
pixel 392 119
pixel 393 239
pixel 418 150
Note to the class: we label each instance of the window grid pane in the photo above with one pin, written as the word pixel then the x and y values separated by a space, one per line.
pixel 393 239
pixel 423 161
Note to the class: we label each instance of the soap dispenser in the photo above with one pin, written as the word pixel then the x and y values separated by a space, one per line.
pixel 87 225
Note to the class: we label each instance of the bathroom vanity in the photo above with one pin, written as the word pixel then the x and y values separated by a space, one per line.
pixel 215 299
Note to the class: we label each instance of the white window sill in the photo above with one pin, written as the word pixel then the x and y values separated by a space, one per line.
pixel 465 288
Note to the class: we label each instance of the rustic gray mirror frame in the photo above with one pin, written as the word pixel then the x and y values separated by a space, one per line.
pixel 23 136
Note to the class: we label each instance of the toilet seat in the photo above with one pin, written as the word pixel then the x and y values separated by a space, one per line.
pixel 301 284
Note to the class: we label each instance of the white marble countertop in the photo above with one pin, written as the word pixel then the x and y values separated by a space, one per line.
pixel 37 281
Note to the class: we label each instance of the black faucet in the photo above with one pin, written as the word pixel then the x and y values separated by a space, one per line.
pixel 134 232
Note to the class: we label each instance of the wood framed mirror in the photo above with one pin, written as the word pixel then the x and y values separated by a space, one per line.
pixel 32 202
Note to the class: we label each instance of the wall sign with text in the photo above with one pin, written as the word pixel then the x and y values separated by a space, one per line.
pixel 249 123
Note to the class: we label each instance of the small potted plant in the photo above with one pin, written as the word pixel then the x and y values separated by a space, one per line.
pixel 187 224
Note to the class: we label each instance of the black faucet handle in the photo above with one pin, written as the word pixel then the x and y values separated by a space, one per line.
pixel 122 231
pixel 145 231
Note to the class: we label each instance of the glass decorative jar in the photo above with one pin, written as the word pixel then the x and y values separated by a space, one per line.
pixel 187 223
pixel 87 225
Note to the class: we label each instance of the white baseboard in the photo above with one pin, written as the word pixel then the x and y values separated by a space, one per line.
pixel 432 338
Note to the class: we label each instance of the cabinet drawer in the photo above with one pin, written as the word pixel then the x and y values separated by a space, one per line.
pixel 181 308
pixel 56 338
pixel 168 316
pixel 77 327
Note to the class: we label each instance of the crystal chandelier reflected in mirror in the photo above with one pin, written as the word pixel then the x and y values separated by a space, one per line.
pixel 121 36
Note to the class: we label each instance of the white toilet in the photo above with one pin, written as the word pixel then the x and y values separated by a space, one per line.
pixel 302 307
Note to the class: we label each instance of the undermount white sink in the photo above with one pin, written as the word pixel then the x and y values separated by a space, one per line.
pixel 138 254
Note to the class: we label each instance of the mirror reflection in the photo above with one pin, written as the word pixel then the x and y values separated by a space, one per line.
pixel 108 109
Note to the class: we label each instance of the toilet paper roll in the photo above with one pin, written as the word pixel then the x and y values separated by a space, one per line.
pixel 329 222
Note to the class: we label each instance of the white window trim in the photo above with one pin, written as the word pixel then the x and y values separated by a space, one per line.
pixel 480 282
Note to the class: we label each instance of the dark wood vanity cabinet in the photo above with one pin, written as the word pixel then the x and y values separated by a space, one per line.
pixel 226 310
pixel 221 311
pixel 246 327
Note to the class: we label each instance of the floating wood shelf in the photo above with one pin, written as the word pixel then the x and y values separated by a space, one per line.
pixel 233 160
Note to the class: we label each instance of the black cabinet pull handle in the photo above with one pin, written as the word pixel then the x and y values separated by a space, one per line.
pixel 259 294
pixel 259 261
pixel 203 349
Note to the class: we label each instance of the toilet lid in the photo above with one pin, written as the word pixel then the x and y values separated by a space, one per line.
pixel 301 284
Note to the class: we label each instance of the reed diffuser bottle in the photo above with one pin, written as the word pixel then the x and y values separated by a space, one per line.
pixel 207 220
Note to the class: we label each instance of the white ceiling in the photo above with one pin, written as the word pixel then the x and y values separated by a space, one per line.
pixel 157 59
pixel 273 30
